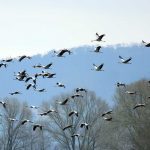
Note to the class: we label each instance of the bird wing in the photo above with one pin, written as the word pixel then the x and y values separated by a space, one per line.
pixel 127 60
pixel 67 127
pixel 71 113
pixel 100 66
pixel 97 34
pixel 122 59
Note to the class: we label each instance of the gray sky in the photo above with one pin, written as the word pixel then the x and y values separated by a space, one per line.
pixel 36 26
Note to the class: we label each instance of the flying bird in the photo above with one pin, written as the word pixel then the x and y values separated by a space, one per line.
pixel 97 49
pixel 62 52
pixel 37 126
pixel 76 95
pixel 69 126
pixel 47 112
pixel 12 119
pixel 99 38
pixel 80 90
pixel 3 64
pixel 131 92
pixel 34 107
pixel 3 103
pixel 30 85
pixel 139 105
pixel 8 60
pixel 37 66
pixel 73 112
pixel 14 93
pixel 23 57
pixel 40 90
pixel 121 84
pixel 25 121
pixel 64 102
pixel 98 68
pixel 125 61
pixel 106 113
pixel 47 66
pixel 60 85
pixel 107 118
pixel 146 44
pixel 86 125
pixel 75 135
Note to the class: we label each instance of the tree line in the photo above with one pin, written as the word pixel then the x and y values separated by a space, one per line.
pixel 125 127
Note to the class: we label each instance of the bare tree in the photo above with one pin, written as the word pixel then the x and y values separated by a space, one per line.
pixel 67 129
pixel 132 111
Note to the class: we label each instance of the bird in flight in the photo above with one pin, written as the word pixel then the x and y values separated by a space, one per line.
pixel 60 85
pixel 66 127
pixel 125 61
pixel 62 52
pixel 23 57
pixel 73 112
pixel 64 102
pixel 14 93
pixel 98 68
pixel 97 50
pixel 139 105
pixel 99 38
pixel 146 44
pixel 25 121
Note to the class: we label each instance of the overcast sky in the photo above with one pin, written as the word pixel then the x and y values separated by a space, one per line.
pixel 36 26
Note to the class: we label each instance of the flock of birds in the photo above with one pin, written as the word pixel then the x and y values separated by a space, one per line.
pixel 24 76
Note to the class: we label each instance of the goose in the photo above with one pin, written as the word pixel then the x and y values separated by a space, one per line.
pixel 62 52
pixel 3 64
pixel 14 93
pixel 139 105
pixel 60 85
pixel 86 125
pixel 98 68
pixel 37 126
pixel 66 127
pixel 125 61
pixel 80 90
pixel 146 44
pixel 23 57
pixel 99 37
pixel 107 112
pixel 73 112
pixel 3 103
pixel 25 121
pixel 47 112
pixel 64 102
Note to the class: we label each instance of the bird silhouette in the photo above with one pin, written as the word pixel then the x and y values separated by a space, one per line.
pixel 99 38
pixel 146 44
pixel 125 61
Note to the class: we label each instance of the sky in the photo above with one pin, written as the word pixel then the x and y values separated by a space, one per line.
pixel 37 26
